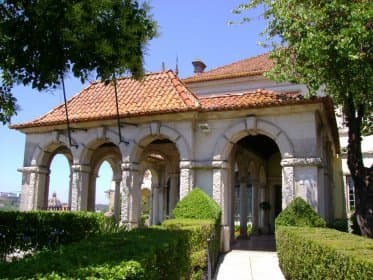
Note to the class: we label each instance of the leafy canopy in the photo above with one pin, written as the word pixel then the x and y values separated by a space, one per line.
pixel 41 40
pixel 197 205
pixel 324 44
pixel 299 213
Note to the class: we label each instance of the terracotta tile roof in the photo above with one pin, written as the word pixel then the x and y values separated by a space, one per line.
pixel 257 99
pixel 256 65
pixel 157 93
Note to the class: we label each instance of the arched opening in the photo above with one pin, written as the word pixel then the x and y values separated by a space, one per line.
pixel 103 192
pixel 59 190
pixel 53 188
pixel 256 185
pixel 105 189
pixel 159 165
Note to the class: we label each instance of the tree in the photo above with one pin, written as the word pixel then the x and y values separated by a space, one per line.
pixel 328 45
pixel 42 40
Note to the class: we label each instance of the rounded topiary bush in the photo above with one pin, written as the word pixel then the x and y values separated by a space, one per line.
pixel 197 205
pixel 299 213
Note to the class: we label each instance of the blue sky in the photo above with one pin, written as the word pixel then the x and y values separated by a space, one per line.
pixel 187 30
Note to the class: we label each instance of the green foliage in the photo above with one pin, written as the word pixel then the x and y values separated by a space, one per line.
pixel 106 37
pixel 321 253
pixel 299 213
pixel 197 205
pixel 327 45
pixel 152 253
pixel 177 249
pixel 199 231
pixel 39 229
pixel 7 104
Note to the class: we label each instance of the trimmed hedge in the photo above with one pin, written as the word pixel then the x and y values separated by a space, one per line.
pixel 199 232
pixel 321 253
pixel 152 253
pixel 200 214
pixel 39 229
pixel 197 205
pixel 299 213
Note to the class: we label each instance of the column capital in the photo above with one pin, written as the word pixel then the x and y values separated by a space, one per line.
pixel 130 166
pixel 186 164
pixel 301 162
pixel 81 168
pixel 34 169
pixel 220 164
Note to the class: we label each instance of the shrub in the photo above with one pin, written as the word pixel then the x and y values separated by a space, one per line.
pixel 197 205
pixel 151 253
pixel 38 229
pixel 200 214
pixel 199 231
pixel 299 213
pixel 321 253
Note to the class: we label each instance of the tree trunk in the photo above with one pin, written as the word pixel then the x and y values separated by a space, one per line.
pixel 362 177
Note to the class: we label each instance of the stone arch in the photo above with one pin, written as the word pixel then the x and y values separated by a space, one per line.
pixel 103 135
pixel 252 126
pixel 44 153
pixel 42 157
pixel 97 152
pixel 153 131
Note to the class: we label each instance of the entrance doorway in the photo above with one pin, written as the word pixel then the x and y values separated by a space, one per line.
pixel 256 186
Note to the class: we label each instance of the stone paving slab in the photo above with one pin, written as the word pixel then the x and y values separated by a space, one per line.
pixel 249 265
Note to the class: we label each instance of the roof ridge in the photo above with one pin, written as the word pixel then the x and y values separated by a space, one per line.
pixel 188 97
pixel 236 62
pixel 129 77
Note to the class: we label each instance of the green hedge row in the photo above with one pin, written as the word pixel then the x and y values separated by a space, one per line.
pixel 321 253
pixel 38 229
pixel 175 250
pixel 152 253
pixel 199 232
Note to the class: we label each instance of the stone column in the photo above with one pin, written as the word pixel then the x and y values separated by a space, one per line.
pixel 79 187
pixel 255 203
pixel 174 180
pixel 220 195
pixel 34 179
pixel 186 178
pixel 243 206
pixel 287 182
pixel 117 199
pixel 300 178
pixel 155 208
pixel 70 187
pixel 131 195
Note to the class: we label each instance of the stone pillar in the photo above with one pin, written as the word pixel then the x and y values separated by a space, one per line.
pixel 79 187
pixel 255 204
pixel 155 208
pixel 70 187
pixel 34 180
pixel 287 183
pixel 174 180
pixel 220 195
pixel 186 178
pixel 243 207
pixel 300 178
pixel 117 199
pixel 131 195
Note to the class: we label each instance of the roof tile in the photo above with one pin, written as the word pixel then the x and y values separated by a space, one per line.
pixel 256 65
pixel 156 93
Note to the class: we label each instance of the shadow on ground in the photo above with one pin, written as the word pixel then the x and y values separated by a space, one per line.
pixel 255 243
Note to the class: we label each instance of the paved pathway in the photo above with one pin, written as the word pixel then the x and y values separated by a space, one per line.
pixel 253 259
